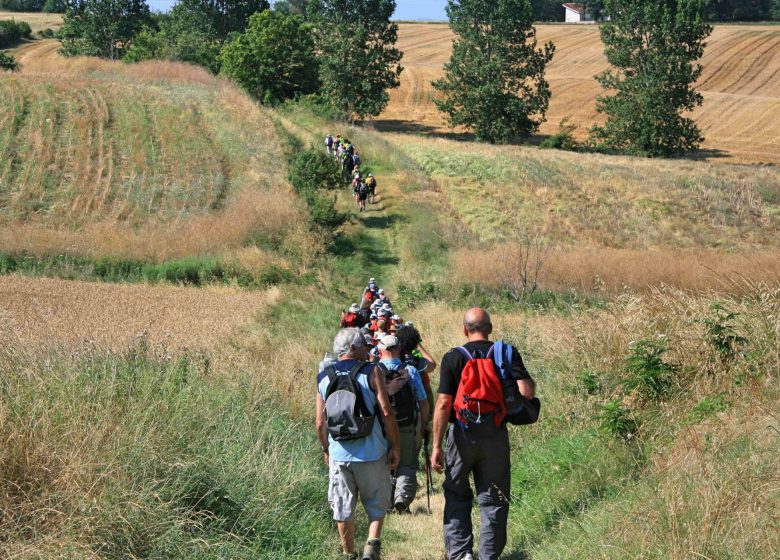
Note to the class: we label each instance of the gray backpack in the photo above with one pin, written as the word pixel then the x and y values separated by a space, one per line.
pixel 346 410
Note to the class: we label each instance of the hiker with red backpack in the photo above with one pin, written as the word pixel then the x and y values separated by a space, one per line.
pixel 483 385
pixel 351 318
pixel 358 432
pixel 410 403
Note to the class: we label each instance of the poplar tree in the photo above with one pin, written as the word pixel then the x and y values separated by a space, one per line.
pixel 654 46
pixel 357 54
pixel 494 83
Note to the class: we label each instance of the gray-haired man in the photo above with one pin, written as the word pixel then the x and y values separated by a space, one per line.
pixel 359 467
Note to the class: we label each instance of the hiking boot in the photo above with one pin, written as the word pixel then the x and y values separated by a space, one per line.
pixel 401 508
pixel 372 550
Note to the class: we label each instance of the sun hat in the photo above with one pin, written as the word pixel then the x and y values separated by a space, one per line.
pixel 381 290
pixel 354 308
pixel 384 312
pixel 388 341
pixel 396 317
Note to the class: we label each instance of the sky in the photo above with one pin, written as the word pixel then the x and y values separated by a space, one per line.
pixel 406 9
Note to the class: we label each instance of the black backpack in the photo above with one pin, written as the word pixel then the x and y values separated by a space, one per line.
pixel 399 389
pixel 346 411
pixel 364 188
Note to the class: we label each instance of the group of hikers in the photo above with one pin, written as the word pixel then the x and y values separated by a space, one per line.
pixel 375 412
pixel 363 186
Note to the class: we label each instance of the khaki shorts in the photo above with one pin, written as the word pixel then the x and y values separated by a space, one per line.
pixel 371 481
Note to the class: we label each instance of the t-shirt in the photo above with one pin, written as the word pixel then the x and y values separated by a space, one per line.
pixel 414 377
pixel 421 364
pixel 454 361
pixel 370 448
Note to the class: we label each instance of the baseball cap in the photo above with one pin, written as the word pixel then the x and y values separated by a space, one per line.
pixel 388 341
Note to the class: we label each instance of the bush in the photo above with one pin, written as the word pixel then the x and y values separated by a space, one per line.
pixel 55 6
pixel 47 33
pixel 313 169
pixel 7 62
pixel 563 139
pixel 618 421
pixel 721 333
pixel 648 372
pixel 11 32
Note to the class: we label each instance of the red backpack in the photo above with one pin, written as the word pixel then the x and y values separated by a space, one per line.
pixel 480 391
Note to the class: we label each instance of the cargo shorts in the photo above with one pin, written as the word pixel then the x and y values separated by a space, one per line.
pixel 369 480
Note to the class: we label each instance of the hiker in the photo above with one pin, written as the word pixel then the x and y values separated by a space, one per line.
pixel 414 354
pixel 359 441
pixel 477 441
pixel 347 165
pixel 371 292
pixel 362 196
pixel 371 182
pixel 329 145
pixel 364 313
pixel 356 157
pixel 407 395
pixel 356 189
pixel 350 318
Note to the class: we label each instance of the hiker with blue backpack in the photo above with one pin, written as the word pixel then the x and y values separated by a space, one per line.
pixel 357 429
pixel 483 386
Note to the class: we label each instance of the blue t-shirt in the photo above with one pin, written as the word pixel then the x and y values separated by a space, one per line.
pixel 370 448
pixel 418 389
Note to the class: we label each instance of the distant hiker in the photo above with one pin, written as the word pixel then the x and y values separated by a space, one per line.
pixel 356 189
pixel 408 398
pixel 371 182
pixel 356 157
pixel 356 426
pixel 329 145
pixel 350 318
pixel 371 292
pixel 363 191
pixel 364 314
pixel 477 440
pixel 347 165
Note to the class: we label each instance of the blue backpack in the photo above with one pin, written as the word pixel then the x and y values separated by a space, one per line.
pixel 519 410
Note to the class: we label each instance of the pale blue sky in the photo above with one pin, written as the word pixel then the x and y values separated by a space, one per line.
pixel 407 9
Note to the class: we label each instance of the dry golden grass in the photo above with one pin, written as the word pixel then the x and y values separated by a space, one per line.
pixel 38 20
pixel 41 312
pixel 740 83
pixel 611 271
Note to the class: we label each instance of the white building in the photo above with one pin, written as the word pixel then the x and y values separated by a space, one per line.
pixel 576 13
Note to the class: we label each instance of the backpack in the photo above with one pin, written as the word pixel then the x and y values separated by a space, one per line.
pixel 351 319
pixel 364 188
pixel 399 389
pixel 329 142
pixel 371 182
pixel 519 410
pixel 480 391
pixel 347 415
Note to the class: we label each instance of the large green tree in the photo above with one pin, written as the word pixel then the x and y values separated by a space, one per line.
pixel 654 46
pixel 221 17
pixel 102 27
pixel 358 58
pixel 274 58
pixel 494 82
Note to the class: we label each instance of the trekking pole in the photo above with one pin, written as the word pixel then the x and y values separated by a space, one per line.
pixel 428 476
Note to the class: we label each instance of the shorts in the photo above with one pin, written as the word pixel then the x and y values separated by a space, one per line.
pixel 362 196
pixel 370 480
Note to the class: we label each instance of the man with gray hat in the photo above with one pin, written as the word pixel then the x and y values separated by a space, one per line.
pixel 359 442
pixel 410 403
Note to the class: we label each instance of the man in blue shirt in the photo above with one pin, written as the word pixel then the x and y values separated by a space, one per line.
pixel 359 467
pixel 411 415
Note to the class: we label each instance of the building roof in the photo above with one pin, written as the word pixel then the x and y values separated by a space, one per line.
pixel 579 8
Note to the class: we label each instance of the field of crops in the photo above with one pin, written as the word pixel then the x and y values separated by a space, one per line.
pixel 38 20
pixel 741 85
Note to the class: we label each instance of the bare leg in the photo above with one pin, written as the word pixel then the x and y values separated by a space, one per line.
pixel 375 528
pixel 347 534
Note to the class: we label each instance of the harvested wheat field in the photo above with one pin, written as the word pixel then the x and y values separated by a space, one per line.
pixel 151 161
pixel 741 85
pixel 38 20
pixel 44 311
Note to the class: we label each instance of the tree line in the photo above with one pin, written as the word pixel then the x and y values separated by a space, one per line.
pixel 342 54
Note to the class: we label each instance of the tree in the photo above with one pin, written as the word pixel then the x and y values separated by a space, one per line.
pixel 274 58
pixel 102 27
pixel 595 8
pixel 55 6
pixel 358 58
pixel 221 17
pixel 494 82
pixel 22 5
pixel 654 46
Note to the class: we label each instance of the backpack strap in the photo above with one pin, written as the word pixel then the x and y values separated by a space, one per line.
pixel 462 350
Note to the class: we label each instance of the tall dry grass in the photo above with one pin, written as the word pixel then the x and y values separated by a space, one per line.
pixel 611 271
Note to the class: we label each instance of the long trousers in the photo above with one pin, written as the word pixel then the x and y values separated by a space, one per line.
pixel 406 474
pixel 484 452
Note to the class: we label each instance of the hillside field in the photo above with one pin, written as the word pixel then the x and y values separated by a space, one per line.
pixel 38 20
pixel 740 117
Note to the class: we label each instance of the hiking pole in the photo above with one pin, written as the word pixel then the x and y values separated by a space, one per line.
pixel 428 476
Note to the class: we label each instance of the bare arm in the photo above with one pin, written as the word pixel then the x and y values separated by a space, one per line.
pixel 441 416
pixel 388 416
pixel 527 387
pixel 425 411
pixel 431 362
pixel 321 424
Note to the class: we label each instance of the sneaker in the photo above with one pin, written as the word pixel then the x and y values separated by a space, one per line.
pixel 401 508
pixel 372 550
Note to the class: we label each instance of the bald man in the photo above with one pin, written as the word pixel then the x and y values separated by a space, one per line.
pixel 481 449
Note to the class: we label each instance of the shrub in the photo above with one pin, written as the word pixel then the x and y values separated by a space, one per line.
pixel 563 139
pixel 47 33
pixel 618 421
pixel 7 62
pixel 55 6
pixel 707 407
pixel 648 372
pixel 589 380
pixel 721 333
pixel 11 32
pixel 313 169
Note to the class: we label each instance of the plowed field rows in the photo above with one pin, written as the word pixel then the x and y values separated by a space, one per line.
pixel 741 85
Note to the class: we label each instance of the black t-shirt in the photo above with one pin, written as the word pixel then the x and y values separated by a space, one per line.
pixel 454 361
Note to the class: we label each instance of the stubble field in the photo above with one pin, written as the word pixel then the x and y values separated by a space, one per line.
pixel 740 117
